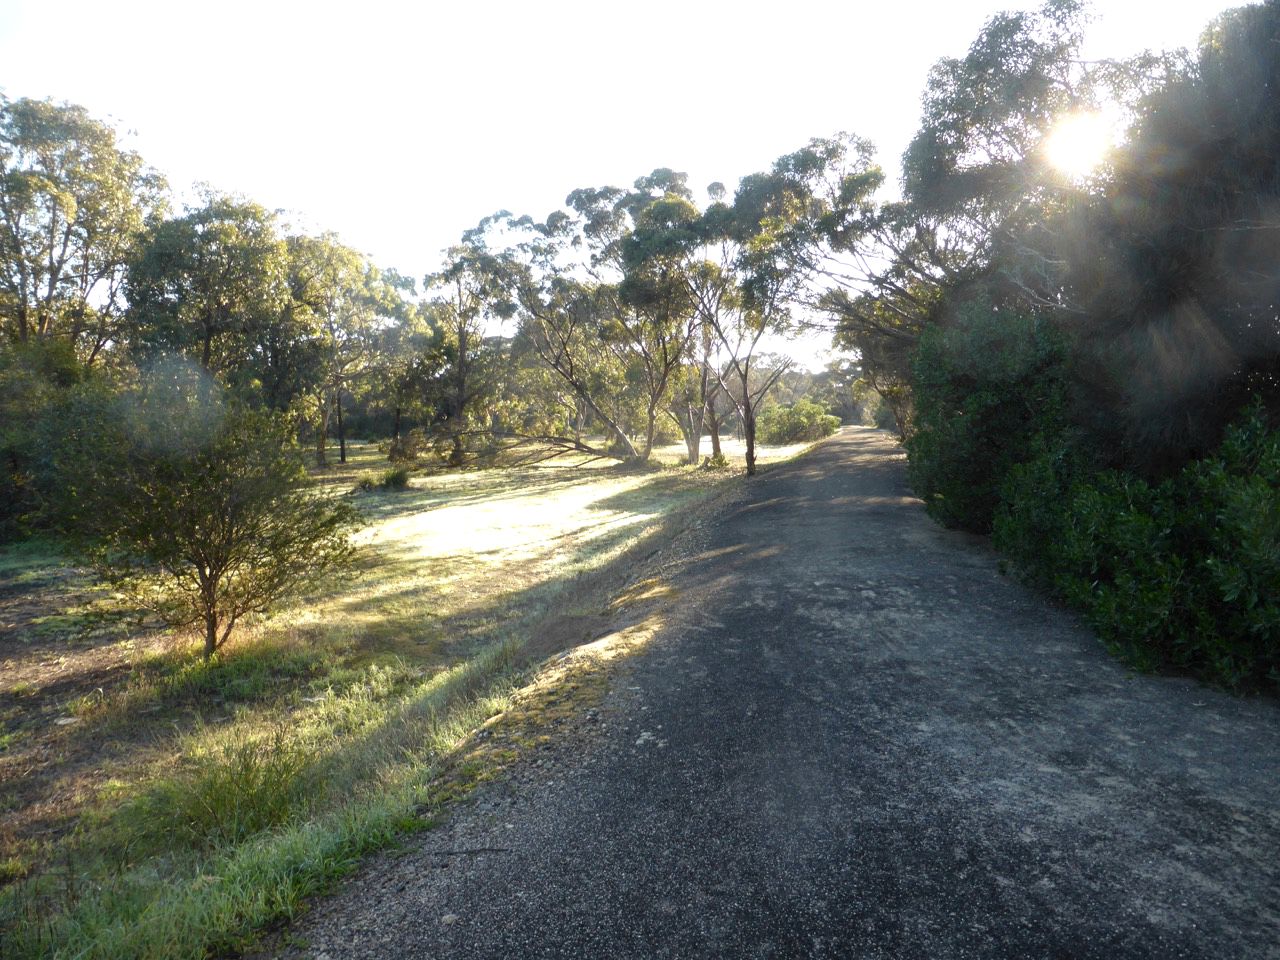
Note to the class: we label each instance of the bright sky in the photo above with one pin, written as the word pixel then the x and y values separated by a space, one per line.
pixel 400 125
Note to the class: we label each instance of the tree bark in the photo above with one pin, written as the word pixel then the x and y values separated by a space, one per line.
pixel 322 432
pixel 342 433
pixel 210 636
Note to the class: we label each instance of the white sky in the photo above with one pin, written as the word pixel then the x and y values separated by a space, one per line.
pixel 398 126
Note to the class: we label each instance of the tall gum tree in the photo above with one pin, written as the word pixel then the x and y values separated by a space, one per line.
pixel 470 302
pixel 72 206
pixel 348 302
pixel 207 283
pixel 603 304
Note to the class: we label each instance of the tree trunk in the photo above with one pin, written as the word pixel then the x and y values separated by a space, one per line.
pixel 715 436
pixel 322 432
pixel 650 429
pixel 458 456
pixel 395 425
pixel 342 433
pixel 210 636
pixel 749 434
pixel 693 435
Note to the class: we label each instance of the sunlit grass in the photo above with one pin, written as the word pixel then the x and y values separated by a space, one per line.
pixel 222 794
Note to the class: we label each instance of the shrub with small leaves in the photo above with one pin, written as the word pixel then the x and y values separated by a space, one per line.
pixel 197 507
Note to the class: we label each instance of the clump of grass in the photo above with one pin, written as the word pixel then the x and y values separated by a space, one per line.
pixel 249 673
pixel 393 478
pixel 225 796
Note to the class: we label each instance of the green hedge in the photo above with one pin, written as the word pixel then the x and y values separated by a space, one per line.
pixel 1184 573
pixel 988 389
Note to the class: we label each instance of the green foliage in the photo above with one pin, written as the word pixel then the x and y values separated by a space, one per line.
pixel 393 478
pixel 987 390
pixel 208 285
pixel 195 506
pixel 71 206
pixel 803 420
pixel 716 461
pixel 34 376
pixel 1183 573
pixel 882 416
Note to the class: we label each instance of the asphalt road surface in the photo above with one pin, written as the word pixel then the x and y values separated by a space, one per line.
pixel 857 739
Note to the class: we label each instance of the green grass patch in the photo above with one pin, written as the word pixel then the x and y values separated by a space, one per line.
pixel 30 562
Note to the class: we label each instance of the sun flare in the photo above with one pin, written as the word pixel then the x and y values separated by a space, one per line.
pixel 1079 142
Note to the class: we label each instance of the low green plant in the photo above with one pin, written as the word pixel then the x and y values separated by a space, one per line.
pixel 228 796
pixel 393 478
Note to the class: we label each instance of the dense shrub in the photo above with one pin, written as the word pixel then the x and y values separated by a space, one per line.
pixel 1182 573
pixel 803 420
pixel 989 390
pixel 396 478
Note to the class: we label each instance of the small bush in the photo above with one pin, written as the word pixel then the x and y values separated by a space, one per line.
pixel 396 478
pixel 195 506
pixel 393 478
pixel 408 446
pixel 802 421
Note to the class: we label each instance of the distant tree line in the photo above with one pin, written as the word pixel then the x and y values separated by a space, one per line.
pixel 627 318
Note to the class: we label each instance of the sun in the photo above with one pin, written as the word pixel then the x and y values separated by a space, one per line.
pixel 1079 142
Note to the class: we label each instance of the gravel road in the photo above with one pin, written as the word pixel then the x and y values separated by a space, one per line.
pixel 854 739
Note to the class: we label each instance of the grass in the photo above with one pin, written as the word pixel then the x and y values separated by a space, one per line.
pixel 188 805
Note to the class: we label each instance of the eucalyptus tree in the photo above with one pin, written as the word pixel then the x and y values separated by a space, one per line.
pixel 602 301
pixel 982 213
pixel 561 318
pixel 742 280
pixel 406 358
pixel 348 302
pixel 72 205
pixel 470 304
pixel 207 284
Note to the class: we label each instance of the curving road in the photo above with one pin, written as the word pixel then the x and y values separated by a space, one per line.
pixel 859 740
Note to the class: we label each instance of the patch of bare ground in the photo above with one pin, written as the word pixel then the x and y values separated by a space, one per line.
pixel 66 647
